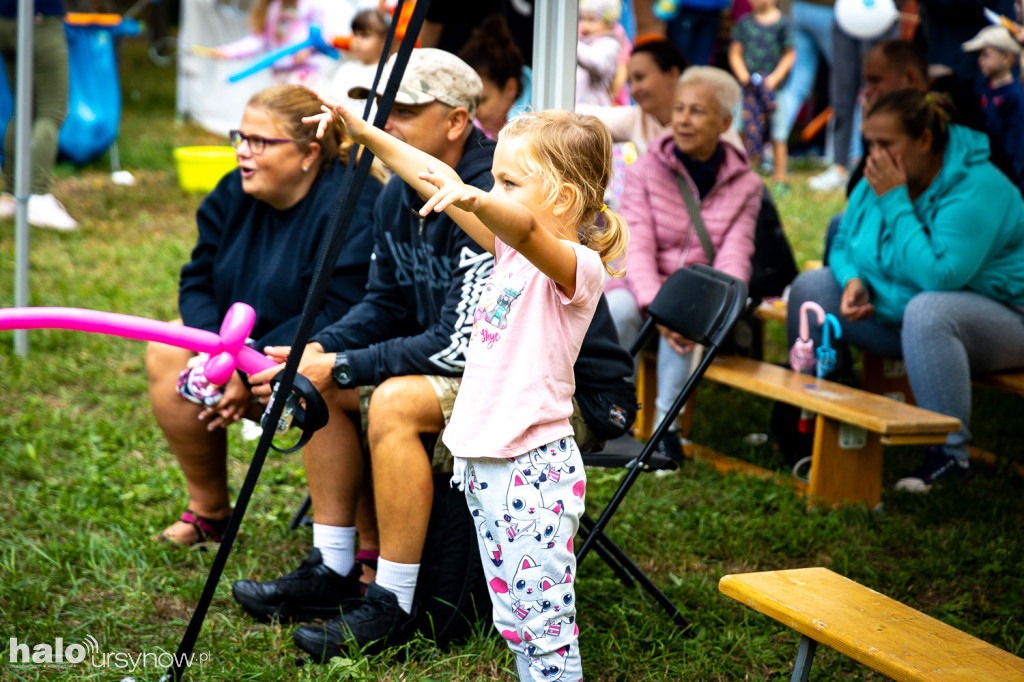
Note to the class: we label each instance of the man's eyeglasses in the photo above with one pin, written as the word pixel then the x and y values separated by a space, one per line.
pixel 257 143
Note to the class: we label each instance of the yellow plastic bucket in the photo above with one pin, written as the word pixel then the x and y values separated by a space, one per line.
pixel 201 168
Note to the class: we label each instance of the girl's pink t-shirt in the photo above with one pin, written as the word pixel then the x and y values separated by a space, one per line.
pixel 517 389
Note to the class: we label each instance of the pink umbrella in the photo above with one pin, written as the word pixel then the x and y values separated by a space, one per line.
pixel 801 355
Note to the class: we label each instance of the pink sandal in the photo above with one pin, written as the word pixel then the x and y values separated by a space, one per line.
pixel 208 531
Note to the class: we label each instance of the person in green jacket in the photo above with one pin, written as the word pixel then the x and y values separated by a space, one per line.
pixel 928 264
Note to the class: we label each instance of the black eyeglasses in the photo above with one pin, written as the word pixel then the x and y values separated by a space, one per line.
pixel 257 143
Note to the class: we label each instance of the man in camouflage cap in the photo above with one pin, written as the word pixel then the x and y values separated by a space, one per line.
pixel 432 75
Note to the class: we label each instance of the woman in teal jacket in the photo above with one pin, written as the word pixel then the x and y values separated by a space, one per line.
pixel 928 264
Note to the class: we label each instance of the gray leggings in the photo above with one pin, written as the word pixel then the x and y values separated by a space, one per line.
pixel 946 337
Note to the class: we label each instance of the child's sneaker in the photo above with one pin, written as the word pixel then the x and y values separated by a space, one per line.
pixel 834 178
pixel 8 206
pixel 938 468
pixel 45 211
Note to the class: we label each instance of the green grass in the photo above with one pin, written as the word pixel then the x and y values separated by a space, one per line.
pixel 88 481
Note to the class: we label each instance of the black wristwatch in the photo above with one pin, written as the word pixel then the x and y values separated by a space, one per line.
pixel 342 372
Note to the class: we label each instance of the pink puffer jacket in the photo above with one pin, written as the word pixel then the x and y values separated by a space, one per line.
pixel 661 237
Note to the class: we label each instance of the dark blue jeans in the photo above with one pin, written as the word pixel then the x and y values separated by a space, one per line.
pixel 693 31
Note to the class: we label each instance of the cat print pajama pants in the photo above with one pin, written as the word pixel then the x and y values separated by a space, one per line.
pixel 527 511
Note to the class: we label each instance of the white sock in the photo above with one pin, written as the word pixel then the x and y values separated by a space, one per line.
pixel 399 579
pixel 337 545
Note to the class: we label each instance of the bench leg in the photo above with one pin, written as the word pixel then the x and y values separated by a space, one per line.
pixel 885 376
pixel 804 656
pixel 846 464
pixel 647 392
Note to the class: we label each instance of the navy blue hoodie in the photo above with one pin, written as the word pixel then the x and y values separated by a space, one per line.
pixel 249 251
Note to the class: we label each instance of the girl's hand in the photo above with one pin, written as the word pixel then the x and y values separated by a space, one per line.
pixel 450 193
pixel 334 111
pixel 856 301
pixel 233 405
pixel 883 171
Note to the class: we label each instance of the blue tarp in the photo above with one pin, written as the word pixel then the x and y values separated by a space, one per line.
pixel 94 97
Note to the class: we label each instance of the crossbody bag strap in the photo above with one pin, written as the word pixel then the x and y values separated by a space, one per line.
pixel 693 208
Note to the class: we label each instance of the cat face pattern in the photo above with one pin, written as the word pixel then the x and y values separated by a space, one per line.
pixel 526 589
pixel 553 615
pixel 551 666
pixel 549 462
pixel 526 515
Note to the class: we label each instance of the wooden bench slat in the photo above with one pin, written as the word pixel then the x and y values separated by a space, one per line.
pixel 836 401
pixel 871 628
pixel 1006 381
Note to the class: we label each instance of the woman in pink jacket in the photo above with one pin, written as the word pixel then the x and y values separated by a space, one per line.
pixel 662 235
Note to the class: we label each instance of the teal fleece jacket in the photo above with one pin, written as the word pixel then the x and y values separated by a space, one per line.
pixel 966 231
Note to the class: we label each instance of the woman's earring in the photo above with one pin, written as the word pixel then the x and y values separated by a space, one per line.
pixel 305 169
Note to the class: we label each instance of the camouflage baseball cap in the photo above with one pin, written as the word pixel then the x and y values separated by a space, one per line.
pixel 431 75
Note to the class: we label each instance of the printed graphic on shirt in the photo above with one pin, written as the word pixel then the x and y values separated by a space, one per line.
pixel 495 307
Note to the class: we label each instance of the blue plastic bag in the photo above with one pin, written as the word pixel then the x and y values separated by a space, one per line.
pixel 94 97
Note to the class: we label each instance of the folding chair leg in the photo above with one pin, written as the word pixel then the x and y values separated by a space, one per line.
pixel 602 543
pixel 586 525
pixel 300 516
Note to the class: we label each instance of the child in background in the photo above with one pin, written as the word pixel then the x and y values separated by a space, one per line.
pixel 597 52
pixel 280 23
pixel 493 54
pixel 515 456
pixel 761 56
pixel 369 29
pixel 1002 97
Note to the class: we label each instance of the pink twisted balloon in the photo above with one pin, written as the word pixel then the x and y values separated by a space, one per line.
pixel 227 350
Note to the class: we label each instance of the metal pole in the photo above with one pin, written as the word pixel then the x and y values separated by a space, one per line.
pixel 554 54
pixel 22 163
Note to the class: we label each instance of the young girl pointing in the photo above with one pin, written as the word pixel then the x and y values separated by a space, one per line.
pixel 515 456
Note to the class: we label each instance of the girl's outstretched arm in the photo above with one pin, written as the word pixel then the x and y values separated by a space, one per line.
pixel 511 221
pixel 406 161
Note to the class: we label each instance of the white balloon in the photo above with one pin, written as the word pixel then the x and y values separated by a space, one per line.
pixel 865 19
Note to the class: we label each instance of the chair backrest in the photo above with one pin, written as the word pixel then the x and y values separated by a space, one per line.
pixel 699 302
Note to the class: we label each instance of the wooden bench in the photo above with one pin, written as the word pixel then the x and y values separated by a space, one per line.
pixel 883 634
pixel 851 425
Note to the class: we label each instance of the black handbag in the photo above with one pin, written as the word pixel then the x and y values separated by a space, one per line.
pixel 773 268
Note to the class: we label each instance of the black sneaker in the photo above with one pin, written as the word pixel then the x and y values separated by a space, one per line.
pixel 671 448
pixel 370 624
pixel 312 591
pixel 938 468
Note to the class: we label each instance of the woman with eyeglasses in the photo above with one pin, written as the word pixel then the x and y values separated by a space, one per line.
pixel 259 231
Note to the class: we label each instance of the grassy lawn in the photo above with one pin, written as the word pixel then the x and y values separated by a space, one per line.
pixel 87 482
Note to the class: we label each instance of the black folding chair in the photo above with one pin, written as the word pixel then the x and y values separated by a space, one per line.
pixel 702 304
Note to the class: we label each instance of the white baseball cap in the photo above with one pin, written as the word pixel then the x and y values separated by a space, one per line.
pixel 993 36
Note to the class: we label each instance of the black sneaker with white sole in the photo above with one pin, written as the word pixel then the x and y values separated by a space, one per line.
pixel 938 468
pixel 671 447
pixel 370 624
pixel 312 591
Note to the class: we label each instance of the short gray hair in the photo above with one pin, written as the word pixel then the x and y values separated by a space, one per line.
pixel 725 88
